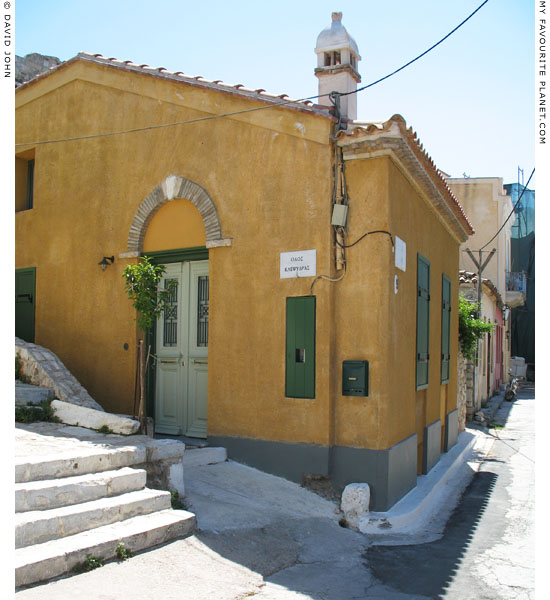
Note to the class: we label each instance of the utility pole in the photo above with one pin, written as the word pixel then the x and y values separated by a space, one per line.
pixel 480 268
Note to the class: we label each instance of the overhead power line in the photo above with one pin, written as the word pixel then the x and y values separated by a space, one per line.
pixel 513 210
pixel 419 56
pixel 248 110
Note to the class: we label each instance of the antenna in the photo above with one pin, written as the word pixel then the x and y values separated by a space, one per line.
pixel 522 176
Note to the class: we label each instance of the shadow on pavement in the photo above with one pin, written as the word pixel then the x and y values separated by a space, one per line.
pixel 428 569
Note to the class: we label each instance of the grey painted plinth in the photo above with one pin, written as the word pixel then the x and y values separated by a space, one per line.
pixel 431 449
pixel 451 430
pixel 286 460
pixel 390 473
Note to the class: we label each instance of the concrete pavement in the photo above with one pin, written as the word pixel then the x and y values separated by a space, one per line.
pixel 262 536
pixel 487 550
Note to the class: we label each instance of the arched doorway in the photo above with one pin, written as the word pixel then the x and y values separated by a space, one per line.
pixel 176 225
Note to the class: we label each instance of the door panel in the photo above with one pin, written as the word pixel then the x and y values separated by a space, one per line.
pixel 198 349
pixel 168 414
pixel 196 406
pixel 182 353
pixel 25 295
pixel 170 375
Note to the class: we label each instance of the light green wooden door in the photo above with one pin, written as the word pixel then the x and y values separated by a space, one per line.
pixel 182 353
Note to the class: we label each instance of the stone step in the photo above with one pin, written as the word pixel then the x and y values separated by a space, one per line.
pixel 39 526
pixel 26 393
pixel 51 559
pixel 79 461
pixel 55 493
pixel 198 457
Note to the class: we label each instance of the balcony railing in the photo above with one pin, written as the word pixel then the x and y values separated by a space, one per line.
pixel 516 282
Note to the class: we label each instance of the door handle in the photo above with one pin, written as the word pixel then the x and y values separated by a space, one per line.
pixel 168 361
pixel 200 362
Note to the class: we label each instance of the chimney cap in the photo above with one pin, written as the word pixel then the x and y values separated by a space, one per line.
pixel 336 37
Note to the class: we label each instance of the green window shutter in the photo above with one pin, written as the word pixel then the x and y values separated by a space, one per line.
pixel 300 347
pixel 422 323
pixel 30 183
pixel 25 296
pixel 445 328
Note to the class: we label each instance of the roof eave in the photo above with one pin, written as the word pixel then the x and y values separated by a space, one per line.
pixel 236 90
pixel 393 139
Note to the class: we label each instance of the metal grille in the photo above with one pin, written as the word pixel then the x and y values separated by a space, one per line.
pixel 171 316
pixel 202 316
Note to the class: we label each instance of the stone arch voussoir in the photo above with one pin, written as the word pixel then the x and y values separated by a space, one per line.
pixel 175 186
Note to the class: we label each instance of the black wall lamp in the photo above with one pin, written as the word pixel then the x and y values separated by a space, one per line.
pixel 106 261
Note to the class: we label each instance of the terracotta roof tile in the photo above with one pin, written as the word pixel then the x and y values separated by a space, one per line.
pixel 238 88
pixel 467 277
pixel 375 129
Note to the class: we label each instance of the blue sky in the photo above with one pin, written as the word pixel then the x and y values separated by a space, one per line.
pixel 471 100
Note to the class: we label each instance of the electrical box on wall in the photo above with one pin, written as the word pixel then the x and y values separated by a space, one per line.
pixel 339 215
pixel 355 378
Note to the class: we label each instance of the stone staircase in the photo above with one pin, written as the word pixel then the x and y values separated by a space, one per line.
pixel 85 503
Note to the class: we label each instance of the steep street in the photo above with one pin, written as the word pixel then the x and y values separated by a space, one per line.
pixel 487 550
pixel 261 536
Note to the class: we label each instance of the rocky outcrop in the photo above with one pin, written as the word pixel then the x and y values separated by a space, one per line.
pixel 43 368
pixel 31 65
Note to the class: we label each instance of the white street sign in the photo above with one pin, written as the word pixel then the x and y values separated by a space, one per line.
pixel 298 264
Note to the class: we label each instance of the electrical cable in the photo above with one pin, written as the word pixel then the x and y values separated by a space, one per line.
pixel 248 110
pixel 327 278
pixel 419 56
pixel 175 123
pixel 365 235
pixel 513 210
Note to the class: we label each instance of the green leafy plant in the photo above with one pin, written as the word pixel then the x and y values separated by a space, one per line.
pixel 142 286
pixel 32 413
pixel 123 553
pixel 105 429
pixel 177 502
pixel 91 563
pixel 470 327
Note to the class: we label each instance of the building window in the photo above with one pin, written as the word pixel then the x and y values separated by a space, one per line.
pixel 170 316
pixel 422 322
pixel 24 182
pixel 445 328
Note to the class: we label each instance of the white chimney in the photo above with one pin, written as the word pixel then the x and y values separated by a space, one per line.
pixel 337 58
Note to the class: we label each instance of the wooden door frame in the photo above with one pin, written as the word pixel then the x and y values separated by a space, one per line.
pixel 163 257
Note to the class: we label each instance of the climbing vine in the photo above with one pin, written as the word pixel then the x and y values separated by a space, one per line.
pixel 470 327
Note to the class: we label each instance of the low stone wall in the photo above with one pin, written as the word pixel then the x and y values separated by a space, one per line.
pixel 44 368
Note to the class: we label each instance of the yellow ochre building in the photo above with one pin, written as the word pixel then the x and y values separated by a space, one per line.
pixel 314 329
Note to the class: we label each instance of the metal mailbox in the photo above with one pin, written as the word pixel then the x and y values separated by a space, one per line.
pixel 355 378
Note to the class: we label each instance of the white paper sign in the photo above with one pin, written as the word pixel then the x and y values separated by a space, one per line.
pixel 298 264
pixel 400 254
